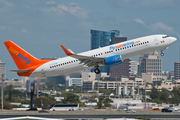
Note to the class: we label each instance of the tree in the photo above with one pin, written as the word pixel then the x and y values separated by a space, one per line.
pixel 9 92
pixel 43 101
pixel 154 94
pixel 99 104
pixel 164 94
pixel 107 102
pixel 156 101
pixel 70 97
pixel 176 95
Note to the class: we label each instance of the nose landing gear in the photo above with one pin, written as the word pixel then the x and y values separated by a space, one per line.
pixel 162 54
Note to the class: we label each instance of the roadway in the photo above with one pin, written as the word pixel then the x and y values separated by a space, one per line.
pixel 89 114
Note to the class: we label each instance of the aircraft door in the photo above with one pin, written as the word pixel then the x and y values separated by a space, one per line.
pixel 43 71
pixel 156 41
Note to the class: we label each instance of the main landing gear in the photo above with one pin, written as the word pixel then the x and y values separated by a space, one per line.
pixel 97 71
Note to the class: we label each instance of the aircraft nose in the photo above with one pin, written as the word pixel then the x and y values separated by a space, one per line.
pixel 173 39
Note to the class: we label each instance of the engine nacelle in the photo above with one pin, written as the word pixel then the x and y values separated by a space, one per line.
pixel 116 59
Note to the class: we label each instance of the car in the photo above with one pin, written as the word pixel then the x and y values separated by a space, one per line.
pixel 166 110
pixel 122 109
pixel 43 111
pixel 80 109
pixel 130 111
pixel 175 111
pixel 155 109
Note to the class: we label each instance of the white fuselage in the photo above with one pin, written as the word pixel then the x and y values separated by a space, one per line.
pixel 127 49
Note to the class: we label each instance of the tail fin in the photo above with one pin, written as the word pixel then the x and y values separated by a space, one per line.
pixel 23 59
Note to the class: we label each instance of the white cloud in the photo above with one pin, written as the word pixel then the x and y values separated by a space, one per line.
pixel 51 2
pixel 73 9
pixel 2 27
pixel 8 4
pixel 148 4
pixel 23 30
pixel 139 21
pixel 162 26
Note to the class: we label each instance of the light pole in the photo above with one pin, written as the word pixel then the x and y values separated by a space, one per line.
pixel 81 88
pixel 2 78
pixel 145 94
pixel 116 86
pixel 98 88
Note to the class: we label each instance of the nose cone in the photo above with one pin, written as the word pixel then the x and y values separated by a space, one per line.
pixel 173 39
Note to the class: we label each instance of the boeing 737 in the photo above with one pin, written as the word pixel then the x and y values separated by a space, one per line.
pixel 114 54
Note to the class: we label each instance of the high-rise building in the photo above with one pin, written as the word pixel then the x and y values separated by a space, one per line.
pixel 177 70
pixel 117 71
pixel 101 39
pixel 2 69
pixel 122 69
pixel 74 81
pixel 133 67
pixel 151 64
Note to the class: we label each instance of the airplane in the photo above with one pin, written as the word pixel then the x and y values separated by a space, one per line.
pixel 113 54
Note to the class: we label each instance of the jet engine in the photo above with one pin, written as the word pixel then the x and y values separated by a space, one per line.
pixel 113 60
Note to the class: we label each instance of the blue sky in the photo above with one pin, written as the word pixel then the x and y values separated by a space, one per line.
pixel 41 26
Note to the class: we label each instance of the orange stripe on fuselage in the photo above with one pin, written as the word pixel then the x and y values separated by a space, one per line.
pixel 137 42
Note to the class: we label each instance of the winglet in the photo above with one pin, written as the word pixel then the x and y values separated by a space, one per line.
pixel 66 51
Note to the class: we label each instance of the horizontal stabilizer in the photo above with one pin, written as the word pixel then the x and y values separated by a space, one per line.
pixel 71 51
pixel 21 71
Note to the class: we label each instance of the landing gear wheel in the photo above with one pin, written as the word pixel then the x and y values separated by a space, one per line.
pixel 162 54
pixel 97 71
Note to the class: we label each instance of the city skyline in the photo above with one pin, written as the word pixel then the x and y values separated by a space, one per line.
pixel 39 26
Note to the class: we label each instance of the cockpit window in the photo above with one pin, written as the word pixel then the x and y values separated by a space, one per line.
pixel 165 36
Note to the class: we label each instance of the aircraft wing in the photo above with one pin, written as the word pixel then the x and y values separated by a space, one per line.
pixel 87 60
